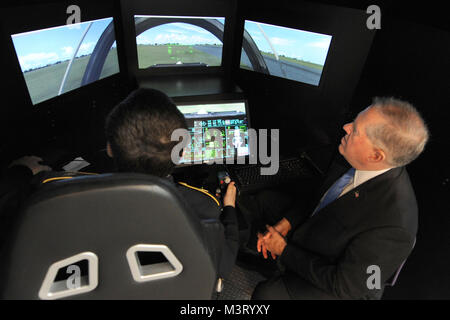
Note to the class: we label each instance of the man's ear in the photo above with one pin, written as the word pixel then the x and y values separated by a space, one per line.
pixel 377 155
pixel 109 150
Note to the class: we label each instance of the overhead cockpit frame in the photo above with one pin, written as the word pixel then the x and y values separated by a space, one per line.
pixel 142 24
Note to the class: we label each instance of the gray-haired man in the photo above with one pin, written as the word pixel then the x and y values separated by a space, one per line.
pixel 364 223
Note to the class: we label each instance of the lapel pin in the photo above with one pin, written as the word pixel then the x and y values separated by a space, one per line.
pixel 356 194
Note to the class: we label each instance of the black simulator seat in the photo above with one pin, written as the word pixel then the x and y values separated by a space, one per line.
pixel 110 236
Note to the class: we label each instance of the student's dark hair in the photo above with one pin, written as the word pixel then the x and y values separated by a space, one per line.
pixel 139 130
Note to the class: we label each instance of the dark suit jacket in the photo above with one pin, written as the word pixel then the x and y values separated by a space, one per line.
pixel 374 224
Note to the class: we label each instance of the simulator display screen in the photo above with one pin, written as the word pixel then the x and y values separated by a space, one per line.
pixel 178 41
pixel 284 52
pixel 230 138
pixel 60 59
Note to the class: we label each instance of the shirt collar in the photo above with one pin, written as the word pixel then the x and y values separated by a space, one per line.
pixel 362 176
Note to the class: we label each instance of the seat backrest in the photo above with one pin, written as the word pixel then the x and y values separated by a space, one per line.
pixel 111 236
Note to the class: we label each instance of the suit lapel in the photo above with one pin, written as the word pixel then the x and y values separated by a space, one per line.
pixel 360 194
pixel 349 200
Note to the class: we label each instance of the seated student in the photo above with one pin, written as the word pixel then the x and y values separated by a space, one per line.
pixel 138 132
pixel 364 226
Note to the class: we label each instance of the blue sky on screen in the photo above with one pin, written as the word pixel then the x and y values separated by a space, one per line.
pixel 48 46
pixel 303 45
pixel 177 32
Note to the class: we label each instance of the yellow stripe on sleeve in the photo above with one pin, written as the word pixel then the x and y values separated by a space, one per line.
pixel 55 178
pixel 202 191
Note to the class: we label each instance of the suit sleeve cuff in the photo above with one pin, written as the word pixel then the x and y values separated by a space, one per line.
pixel 296 259
pixel 294 217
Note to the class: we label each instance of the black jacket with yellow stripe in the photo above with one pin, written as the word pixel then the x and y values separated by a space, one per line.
pixel 222 238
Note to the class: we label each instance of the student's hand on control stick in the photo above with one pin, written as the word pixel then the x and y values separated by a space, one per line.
pixel 230 196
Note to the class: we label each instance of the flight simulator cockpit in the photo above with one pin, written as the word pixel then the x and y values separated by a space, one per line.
pixel 222 67
pixel 264 90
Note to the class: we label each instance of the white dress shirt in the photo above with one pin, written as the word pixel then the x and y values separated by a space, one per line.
pixel 360 177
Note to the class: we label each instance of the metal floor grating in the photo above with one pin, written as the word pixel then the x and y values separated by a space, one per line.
pixel 239 285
